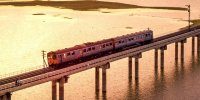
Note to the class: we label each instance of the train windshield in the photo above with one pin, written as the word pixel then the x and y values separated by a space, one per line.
pixel 54 56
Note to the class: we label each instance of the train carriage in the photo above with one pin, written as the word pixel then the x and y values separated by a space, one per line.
pixel 64 55
pixel 131 39
pixel 93 49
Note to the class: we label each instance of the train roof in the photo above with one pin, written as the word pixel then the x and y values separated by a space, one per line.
pixel 81 46
pixel 133 34
pixel 67 49
pixel 98 42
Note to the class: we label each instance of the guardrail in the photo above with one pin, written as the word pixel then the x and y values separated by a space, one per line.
pixel 21 72
pixel 96 62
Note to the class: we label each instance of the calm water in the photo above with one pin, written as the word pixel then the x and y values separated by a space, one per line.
pixel 24 35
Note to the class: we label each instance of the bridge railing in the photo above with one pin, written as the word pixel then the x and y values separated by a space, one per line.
pixel 21 72
pixel 96 62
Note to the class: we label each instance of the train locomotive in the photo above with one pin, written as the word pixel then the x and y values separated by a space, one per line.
pixel 98 48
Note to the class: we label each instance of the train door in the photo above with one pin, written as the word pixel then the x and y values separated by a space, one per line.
pixel 50 58
pixel 60 58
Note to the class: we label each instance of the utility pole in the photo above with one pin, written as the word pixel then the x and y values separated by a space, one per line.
pixel 43 55
pixel 189 15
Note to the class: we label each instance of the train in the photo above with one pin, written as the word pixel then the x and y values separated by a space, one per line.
pixel 96 49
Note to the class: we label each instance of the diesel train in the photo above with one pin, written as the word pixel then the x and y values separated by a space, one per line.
pixel 98 48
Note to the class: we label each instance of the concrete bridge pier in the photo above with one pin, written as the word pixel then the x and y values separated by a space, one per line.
pixel 61 88
pixel 182 48
pixel 104 67
pixel 198 45
pixel 7 96
pixel 176 50
pixel 97 78
pixel 162 55
pixel 136 64
pixel 193 43
pixel 54 97
pixel 130 66
pixel 156 57
pixel 61 81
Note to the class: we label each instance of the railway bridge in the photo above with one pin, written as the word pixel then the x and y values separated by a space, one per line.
pixel 42 75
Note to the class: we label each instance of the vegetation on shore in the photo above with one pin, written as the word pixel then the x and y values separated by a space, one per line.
pixel 39 14
pixel 195 22
pixel 84 5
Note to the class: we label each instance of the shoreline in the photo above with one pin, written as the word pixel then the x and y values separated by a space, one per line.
pixel 85 5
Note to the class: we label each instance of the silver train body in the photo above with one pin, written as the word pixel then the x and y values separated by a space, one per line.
pixel 93 49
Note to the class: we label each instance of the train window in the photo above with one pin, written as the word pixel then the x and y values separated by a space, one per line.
pixel 73 53
pixel 107 44
pixel 104 46
pixel 129 39
pixel 93 48
pixel 122 41
pixel 119 41
pixel 64 55
pixel 100 46
pixel 89 49
pixel 84 50
pixel 146 34
pixel 54 56
pixel 110 43
pixel 132 38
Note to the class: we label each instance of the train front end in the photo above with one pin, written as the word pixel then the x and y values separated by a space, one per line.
pixel 52 58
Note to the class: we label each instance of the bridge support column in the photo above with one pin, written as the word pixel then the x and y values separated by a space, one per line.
pixel 104 78
pixel 198 45
pixel 61 88
pixel 4 97
pixel 162 56
pixel 97 78
pixel 176 50
pixel 193 43
pixel 104 67
pixel 7 96
pixel 54 97
pixel 130 66
pixel 156 57
pixel 136 68
pixel 182 48
pixel 137 64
